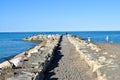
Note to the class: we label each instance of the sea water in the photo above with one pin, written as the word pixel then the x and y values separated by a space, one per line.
pixel 11 43
pixel 99 36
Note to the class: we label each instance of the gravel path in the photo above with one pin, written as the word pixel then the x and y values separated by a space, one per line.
pixel 67 64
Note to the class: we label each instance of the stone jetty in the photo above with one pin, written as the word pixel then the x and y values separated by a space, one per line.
pixel 101 63
pixel 61 57
pixel 31 64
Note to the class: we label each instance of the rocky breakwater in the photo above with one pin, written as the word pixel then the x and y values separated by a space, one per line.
pixel 31 64
pixel 101 63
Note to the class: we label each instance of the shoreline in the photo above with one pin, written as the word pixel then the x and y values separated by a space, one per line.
pixel 2 59
pixel 102 58
pixel 23 60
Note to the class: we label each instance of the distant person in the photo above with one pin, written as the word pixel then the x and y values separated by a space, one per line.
pixel 107 38
pixel 89 39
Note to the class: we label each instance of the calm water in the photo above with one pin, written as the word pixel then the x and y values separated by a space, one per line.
pixel 100 36
pixel 11 43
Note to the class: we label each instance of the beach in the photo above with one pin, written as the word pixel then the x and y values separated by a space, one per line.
pixel 101 58
pixel 12 43
pixel 64 57
pixel 59 40
pixel 113 50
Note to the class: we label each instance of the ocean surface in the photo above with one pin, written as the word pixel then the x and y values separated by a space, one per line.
pixel 11 43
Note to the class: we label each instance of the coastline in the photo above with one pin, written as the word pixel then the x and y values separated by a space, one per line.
pixel 99 57
pixel 23 60
pixel 13 55
pixel 102 58
pixel 12 44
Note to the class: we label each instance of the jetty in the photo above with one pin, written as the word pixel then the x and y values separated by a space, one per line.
pixel 61 57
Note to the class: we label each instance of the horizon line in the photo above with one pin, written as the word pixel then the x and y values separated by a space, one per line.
pixel 64 31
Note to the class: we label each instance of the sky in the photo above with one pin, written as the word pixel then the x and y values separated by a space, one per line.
pixel 59 15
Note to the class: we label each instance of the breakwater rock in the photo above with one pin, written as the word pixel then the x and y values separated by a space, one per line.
pixel 105 66
pixel 31 64
pixel 40 37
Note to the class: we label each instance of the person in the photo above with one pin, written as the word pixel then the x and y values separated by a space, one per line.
pixel 89 39
pixel 107 38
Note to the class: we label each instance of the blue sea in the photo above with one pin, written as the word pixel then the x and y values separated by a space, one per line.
pixel 11 43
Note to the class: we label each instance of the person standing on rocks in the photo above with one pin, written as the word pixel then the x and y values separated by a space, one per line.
pixel 107 38
pixel 89 39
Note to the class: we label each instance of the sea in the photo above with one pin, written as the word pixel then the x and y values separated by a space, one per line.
pixel 11 43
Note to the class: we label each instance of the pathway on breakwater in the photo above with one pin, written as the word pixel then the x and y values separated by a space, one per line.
pixel 67 65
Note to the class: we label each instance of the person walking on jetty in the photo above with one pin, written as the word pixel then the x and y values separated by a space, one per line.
pixel 89 39
pixel 107 38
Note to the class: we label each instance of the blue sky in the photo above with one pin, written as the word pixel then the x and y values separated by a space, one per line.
pixel 59 15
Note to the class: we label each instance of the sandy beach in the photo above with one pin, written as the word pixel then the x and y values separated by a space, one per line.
pixel 112 49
